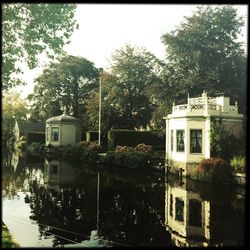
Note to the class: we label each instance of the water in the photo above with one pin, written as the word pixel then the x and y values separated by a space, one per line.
pixel 53 203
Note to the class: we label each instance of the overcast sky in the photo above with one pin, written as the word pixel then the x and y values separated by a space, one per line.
pixel 104 28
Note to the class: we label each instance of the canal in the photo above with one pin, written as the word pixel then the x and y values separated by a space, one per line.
pixel 48 202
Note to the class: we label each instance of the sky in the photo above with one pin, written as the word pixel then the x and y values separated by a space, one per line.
pixel 105 28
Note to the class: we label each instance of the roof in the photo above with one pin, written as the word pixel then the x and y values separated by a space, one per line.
pixel 27 126
pixel 63 118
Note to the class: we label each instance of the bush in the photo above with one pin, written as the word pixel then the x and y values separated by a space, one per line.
pixel 128 159
pixel 36 147
pixel 85 151
pixel 144 148
pixel 139 148
pixel 238 164
pixel 214 170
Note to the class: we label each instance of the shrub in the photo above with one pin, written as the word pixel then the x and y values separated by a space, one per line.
pixel 35 147
pixel 214 170
pixel 124 149
pixel 238 163
pixel 85 151
pixel 128 159
pixel 143 148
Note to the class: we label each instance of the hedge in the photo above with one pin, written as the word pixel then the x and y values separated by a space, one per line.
pixel 35 137
pixel 132 138
pixel 92 136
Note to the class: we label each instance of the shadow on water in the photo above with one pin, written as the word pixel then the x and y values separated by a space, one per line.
pixel 74 205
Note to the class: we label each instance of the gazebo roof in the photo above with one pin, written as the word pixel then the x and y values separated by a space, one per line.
pixel 63 119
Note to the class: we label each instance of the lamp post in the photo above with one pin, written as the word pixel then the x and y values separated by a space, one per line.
pixel 100 105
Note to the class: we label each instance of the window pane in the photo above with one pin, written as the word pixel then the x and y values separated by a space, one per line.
pixel 172 140
pixel 180 140
pixel 179 209
pixel 195 218
pixel 171 205
pixel 54 134
pixel 195 141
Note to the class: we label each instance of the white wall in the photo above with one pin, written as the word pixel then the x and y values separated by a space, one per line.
pixel 68 134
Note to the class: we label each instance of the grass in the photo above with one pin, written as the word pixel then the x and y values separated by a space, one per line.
pixel 7 240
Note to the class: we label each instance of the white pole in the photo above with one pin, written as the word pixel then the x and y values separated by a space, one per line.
pixel 97 202
pixel 100 106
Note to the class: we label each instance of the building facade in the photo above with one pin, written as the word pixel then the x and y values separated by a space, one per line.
pixel 63 130
pixel 188 130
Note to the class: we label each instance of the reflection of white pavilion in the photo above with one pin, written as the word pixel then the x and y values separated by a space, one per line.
pixel 187 216
pixel 58 172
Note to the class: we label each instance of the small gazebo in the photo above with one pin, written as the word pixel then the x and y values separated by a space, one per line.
pixel 63 130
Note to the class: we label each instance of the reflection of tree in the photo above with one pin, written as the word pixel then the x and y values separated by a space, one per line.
pixel 69 209
pixel 129 211
pixel 132 214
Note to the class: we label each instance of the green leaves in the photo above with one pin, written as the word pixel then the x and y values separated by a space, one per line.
pixel 29 30
pixel 199 50
pixel 64 84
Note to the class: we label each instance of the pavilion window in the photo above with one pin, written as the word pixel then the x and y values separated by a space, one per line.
pixel 180 141
pixel 195 141
pixel 54 134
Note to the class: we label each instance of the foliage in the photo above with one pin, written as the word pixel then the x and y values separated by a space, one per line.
pixel 140 156
pixel 124 149
pixel 36 148
pixel 127 159
pixel 21 145
pixel 238 163
pixel 35 137
pixel 139 148
pixel 214 170
pixel 29 30
pixel 109 114
pixel 203 53
pixel 84 151
pixel 65 84
pixel 223 143
pixel 133 70
pixel 133 138
pixel 92 135
pixel 7 240
pixel 13 107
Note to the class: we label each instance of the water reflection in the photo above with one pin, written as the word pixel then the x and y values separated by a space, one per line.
pixel 80 206
pixel 65 205
pixel 198 214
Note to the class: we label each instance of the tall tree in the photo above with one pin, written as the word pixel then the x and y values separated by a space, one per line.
pixel 203 53
pixel 134 70
pixel 30 29
pixel 109 113
pixel 65 84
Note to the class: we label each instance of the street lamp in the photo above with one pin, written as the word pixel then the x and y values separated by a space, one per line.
pixel 100 105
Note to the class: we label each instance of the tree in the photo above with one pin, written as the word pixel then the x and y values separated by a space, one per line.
pixel 30 29
pixel 65 84
pixel 203 54
pixel 109 115
pixel 14 107
pixel 134 70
